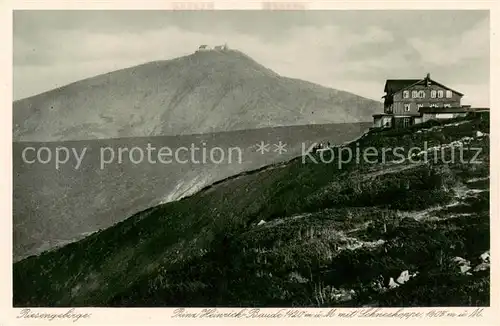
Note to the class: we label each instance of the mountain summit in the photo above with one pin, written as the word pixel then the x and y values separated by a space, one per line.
pixel 207 91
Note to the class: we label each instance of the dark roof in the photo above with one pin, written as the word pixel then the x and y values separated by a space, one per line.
pixel 457 109
pixel 382 115
pixel 394 85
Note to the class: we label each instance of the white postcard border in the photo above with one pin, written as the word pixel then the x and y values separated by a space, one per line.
pixel 135 316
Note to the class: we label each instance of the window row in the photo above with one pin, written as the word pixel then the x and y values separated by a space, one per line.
pixel 408 106
pixel 421 94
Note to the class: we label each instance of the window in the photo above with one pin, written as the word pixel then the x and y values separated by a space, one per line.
pixel 433 105
pixel 440 94
pixel 407 107
pixel 406 94
pixel 414 94
pixel 448 94
pixel 419 106
pixel 433 94
pixel 421 94
pixel 406 122
pixel 447 105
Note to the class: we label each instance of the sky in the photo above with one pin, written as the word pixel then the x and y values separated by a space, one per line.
pixel 352 50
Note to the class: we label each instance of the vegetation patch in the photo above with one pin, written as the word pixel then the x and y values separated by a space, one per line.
pixel 301 235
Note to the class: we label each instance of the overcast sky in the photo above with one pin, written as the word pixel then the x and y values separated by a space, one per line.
pixel 349 50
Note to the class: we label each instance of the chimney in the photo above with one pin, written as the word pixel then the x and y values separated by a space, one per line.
pixel 428 79
pixel 428 76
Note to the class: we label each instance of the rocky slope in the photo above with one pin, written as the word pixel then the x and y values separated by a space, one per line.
pixel 203 92
pixel 399 231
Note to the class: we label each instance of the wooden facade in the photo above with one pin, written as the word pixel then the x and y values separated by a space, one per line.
pixel 405 98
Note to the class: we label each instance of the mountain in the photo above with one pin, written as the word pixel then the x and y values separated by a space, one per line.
pixel 203 92
pixel 56 205
pixel 408 227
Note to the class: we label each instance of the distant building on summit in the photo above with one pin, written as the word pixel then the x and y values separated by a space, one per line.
pixel 205 47
pixel 411 101
pixel 221 47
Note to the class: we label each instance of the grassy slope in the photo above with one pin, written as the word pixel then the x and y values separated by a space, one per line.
pixel 206 250
pixel 43 194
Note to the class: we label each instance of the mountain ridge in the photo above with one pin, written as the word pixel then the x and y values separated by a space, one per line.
pixel 196 93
